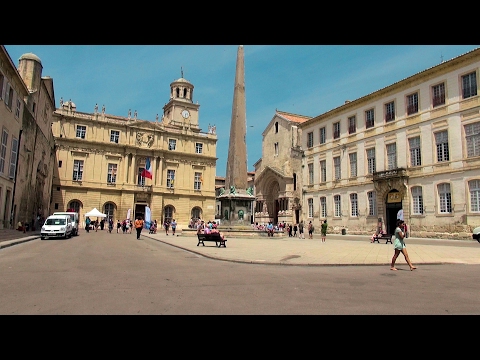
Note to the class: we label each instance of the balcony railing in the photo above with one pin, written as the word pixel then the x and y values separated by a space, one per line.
pixel 389 174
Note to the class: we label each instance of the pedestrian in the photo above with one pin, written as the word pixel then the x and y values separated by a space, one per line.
pixel 124 226
pixel 301 235
pixel 295 229
pixel 290 230
pixel 119 225
pixel 310 230
pixel 200 226
pixel 102 224
pixel 87 224
pixel 174 226
pixel 110 225
pixel 128 226
pixel 139 226
pixel 166 225
pixel 400 246
pixel 324 230
pixel 270 229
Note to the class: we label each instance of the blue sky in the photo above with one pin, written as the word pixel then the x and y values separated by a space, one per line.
pixel 301 79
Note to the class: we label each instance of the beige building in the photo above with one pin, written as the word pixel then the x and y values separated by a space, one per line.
pixel 101 157
pixel 29 102
pixel 411 149
pixel 278 180
pixel 12 92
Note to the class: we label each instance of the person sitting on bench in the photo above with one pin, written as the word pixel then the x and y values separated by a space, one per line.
pixel 215 231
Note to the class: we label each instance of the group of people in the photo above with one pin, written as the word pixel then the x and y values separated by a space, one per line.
pixel 211 227
pixel 293 230
pixel 169 224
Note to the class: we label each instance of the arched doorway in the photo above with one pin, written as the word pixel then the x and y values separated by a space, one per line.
pixel 393 203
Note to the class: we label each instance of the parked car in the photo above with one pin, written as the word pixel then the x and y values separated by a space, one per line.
pixel 57 226
pixel 73 220
pixel 476 234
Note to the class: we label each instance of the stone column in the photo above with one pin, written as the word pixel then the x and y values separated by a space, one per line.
pixel 125 168
pixel 160 172
pixel 154 170
pixel 133 165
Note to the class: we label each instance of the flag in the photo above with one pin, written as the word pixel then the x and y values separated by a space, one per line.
pixel 147 172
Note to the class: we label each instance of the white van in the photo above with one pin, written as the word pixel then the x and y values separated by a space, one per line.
pixel 57 226
pixel 73 220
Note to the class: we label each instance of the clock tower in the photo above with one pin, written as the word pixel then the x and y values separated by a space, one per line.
pixel 181 110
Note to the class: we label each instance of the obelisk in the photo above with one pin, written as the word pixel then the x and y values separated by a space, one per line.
pixel 236 172
pixel 236 200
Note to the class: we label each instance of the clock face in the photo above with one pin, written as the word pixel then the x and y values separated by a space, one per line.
pixel 185 114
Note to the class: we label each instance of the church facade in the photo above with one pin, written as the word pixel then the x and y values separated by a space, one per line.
pixel 410 150
pixel 125 166
pixel 278 174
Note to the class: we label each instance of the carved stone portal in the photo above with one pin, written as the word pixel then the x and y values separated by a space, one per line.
pixel 144 139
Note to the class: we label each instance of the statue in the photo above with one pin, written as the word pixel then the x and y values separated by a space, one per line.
pixel 222 191
pixel 150 140
pixel 232 189
pixel 103 109
pixel 250 191
pixel 96 108
pixel 135 115
pixel 129 113
pixel 139 138
pixel 61 101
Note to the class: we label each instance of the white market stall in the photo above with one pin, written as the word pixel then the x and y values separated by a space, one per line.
pixel 95 213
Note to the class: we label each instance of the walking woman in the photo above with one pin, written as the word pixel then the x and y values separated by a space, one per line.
pixel 400 246
pixel 138 226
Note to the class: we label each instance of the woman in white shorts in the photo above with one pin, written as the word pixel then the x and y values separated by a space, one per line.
pixel 399 246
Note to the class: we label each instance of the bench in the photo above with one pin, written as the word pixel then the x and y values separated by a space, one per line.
pixel 219 242
pixel 388 237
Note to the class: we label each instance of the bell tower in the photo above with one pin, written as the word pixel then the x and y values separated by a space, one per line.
pixel 180 110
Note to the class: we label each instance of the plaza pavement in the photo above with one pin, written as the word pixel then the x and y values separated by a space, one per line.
pixel 338 250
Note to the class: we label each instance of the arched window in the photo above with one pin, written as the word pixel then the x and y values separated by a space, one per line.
pixel 168 213
pixel 444 198
pixel 474 187
pixel 196 213
pixel 417 200
pixel 75 205
pixel 109 210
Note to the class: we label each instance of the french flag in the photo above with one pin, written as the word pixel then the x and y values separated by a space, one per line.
pixel 147 172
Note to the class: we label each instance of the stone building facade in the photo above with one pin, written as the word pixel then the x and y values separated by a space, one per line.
pixel 12 92
pixel 101 157
pixel 411 150
pixel 31 106
pixel 278 174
